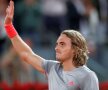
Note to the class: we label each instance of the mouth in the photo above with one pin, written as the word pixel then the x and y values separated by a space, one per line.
pixel 57 53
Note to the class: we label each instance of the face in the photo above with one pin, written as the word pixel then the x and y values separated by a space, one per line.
pixel 63 48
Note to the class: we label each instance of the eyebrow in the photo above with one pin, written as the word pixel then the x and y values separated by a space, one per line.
pixel 60 43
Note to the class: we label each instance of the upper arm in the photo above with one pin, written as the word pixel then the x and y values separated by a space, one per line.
pixel 40 63
pixel 26 53
pixel 35 60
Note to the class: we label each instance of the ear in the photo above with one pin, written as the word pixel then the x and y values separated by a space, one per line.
pixel 73 51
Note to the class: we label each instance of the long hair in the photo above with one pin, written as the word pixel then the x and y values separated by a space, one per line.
pixel 79 44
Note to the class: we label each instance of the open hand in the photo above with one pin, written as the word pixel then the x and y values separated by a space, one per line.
pixel 9 13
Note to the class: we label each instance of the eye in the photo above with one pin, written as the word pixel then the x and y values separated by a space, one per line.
pixel 62 44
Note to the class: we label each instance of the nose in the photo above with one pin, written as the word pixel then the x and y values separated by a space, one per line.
pixel 56 48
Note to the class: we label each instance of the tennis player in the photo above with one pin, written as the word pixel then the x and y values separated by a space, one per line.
pixel 69 71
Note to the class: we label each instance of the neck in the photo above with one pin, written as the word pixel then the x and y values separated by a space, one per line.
pixel 68 65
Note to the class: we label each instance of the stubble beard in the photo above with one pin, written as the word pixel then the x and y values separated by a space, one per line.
pixel 61 61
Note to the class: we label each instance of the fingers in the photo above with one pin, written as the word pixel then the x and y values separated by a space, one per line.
pixel 7 10
pixel 10 10
pixel 11 2
pixel 11 7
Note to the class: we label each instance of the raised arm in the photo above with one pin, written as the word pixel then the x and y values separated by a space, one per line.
pixel 20 46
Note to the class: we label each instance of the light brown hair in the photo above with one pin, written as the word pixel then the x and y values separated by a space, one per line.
pixel 79 45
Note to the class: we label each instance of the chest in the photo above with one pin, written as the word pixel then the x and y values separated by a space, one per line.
pixel 62 81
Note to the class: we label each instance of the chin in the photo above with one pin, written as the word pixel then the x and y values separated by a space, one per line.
pixel 58 59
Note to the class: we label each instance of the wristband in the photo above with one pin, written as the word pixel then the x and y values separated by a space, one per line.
pixel 10 30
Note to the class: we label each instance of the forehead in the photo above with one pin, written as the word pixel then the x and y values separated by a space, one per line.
pixel 63 38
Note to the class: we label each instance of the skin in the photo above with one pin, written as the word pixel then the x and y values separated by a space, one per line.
pixel 23 50
pixel 64 52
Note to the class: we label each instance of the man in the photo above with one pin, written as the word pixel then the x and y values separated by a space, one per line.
pixel 70 71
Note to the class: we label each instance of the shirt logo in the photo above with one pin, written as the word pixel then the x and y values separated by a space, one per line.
pixel 71 83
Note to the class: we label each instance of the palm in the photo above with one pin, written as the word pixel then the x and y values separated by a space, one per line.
pixel 9 13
